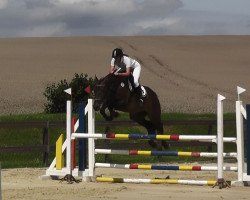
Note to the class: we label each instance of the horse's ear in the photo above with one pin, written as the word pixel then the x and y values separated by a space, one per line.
pixel 96 79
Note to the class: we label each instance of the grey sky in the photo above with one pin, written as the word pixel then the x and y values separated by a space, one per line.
pixel 42 18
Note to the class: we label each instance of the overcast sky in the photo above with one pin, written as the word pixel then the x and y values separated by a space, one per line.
pixel 42 18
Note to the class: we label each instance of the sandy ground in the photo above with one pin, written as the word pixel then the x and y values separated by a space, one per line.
pixel 25 184
pixel 187 72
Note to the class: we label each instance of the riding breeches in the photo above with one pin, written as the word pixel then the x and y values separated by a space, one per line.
pixel 136 74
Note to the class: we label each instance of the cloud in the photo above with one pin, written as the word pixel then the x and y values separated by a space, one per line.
pixel 209 23
pixel 20 18
pixel 79 17
pixel 3 4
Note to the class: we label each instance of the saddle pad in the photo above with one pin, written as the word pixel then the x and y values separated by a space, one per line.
pixel 144 92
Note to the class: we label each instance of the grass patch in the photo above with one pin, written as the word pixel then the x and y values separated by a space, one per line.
pixel 12 137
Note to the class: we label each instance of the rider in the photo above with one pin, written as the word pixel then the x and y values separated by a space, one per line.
pixel 123 65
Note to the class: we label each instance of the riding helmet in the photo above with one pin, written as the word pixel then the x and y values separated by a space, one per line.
pixel 117 53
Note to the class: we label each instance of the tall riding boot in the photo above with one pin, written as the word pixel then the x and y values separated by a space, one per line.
pixel 139 96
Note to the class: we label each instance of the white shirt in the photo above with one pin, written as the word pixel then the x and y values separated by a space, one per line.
pixel 126 62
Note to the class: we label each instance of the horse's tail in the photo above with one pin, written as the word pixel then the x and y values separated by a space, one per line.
pixel 154 109
pixel 152 95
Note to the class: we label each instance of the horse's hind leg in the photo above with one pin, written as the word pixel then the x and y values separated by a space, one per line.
pixel 157 123
pixel 140 119
pixel 159 129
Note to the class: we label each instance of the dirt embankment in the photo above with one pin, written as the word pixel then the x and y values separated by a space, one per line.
pixel 187 72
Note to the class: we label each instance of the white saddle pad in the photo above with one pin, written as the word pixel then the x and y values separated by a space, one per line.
pixel 144 92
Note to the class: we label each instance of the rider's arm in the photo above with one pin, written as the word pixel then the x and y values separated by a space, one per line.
pixel 112 66
pixel 127 63
pixel 112 69
pixel 127 73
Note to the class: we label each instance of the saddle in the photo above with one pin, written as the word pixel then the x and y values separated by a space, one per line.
pixel 132 88
pixel 126 90
pixel 122 92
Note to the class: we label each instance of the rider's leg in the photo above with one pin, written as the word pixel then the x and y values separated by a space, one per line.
pixel 136 75
pixel 138 93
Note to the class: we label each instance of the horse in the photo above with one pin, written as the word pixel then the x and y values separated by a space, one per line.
pixel 114 93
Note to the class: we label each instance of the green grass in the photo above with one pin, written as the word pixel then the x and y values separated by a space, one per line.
pixel 33 136
pixel 32 117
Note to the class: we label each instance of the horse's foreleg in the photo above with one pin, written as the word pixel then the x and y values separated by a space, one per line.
pixel 105 116
pixel 113 113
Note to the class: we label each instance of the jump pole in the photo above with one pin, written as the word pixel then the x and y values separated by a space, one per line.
pixel 164 153
pixel 138 136
pixel 164 167
pixel 156 181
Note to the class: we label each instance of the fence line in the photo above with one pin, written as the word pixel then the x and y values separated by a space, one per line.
pixel 46 148
pixel 61 123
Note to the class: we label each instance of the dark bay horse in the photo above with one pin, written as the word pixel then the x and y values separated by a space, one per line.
pixel 113 93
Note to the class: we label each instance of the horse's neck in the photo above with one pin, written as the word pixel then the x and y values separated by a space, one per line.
pixel 114 81
pixel 110 84
pixel 114 84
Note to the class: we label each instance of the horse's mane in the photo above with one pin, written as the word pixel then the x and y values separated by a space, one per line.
pixel 108 86
pixel 112 80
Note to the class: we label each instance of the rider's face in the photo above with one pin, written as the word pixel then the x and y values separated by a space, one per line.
pixel 118 59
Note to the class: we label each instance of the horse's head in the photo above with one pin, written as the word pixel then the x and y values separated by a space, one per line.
pixel 99 93
pixel 104 91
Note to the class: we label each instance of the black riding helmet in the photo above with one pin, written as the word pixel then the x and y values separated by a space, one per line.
pixel 117 53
